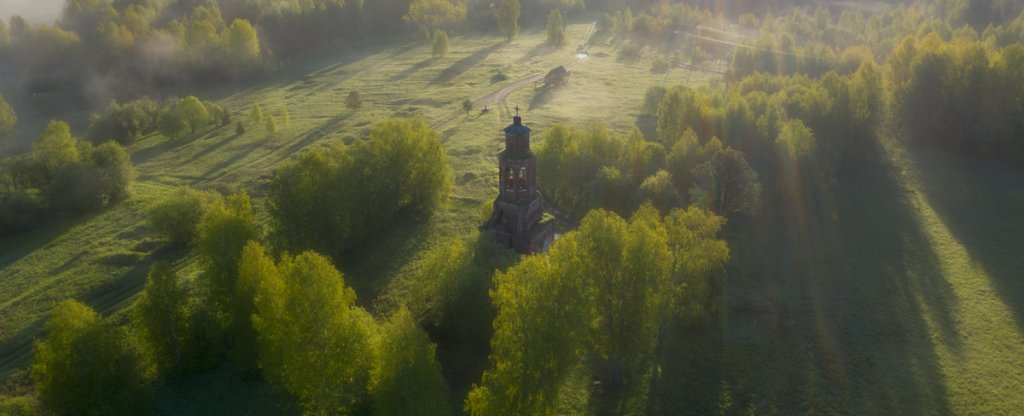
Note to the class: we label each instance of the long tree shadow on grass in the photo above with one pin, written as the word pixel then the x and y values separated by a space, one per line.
pixel 829 302
pixel 541 49
pixel 279 154
pixel 464 64
pixel 145 155
pixel 412 69
pixel 112 296
pixel 542 97
pixel 982 204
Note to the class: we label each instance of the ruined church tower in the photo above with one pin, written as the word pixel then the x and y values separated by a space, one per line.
pixel 518 219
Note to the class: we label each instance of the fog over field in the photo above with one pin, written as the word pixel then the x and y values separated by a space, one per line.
pixel 35 11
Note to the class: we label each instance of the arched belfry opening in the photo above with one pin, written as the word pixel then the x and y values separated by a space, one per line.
pixel 518 219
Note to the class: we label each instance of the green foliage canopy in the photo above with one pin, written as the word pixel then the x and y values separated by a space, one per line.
pixel 599 297
pixel 331 197
pixel 177 215
pixel 7 118
pixel 406 378
pixel 555 28
pixel 221 235
pixel 86 367
pixel 507 13
pixel 431 16
pixel 314 341
pixel 440 45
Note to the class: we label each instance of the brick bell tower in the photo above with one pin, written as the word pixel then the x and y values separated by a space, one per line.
pixel 518 219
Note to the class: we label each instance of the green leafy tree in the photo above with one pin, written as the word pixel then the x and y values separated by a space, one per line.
pixel 124 123
pixel 641 158
pixel 241 43
pixel 507 14
pixel 685 155
pixel 353 101
pixel 26 405
pixel 537 334
pixel 796 143
pixel 220 236
pixel 271 125
pixel 431 16
pixel 699 257
pixel 401 167
pixel 305 191
pixel 5 36
pixel 610 190
pixel 177 215
pixel 7 118
pixel 56 149
pixel 170 123
pixel 193 113
pixel 659 191
pixel 555 28
pixel 84 16
pixel 255 267
pixel 440 46
pixel 115 38
pixel 161 316
pixel 630 268
pixel 216 113
pixel 74 175
pixel 406 166
pixel 600 296
pixel 726 184
pixel 111 173
pixel 256 115
pixel 406 378
pixel 314 341
pixel 86 367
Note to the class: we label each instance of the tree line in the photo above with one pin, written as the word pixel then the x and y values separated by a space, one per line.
pixel 119 49
pixel 143 45
pixel 584 169
pixel 960 94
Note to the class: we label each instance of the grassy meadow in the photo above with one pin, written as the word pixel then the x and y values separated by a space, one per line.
pixel 897 292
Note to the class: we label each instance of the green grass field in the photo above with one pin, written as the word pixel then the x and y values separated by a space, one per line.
pixel 898 293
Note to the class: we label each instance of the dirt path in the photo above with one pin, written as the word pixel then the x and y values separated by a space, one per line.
pixel 499 95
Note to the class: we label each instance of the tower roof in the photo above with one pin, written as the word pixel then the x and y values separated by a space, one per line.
pixel 517 126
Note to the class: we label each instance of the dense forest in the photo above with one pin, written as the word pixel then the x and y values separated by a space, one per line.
pixel 806 98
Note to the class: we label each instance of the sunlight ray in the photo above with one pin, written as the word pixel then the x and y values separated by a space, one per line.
pixel 984 357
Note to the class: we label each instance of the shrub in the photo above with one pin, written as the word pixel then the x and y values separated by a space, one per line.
pixel 176 216
pixel 660 65
pixel 123 123
pixel 440 46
